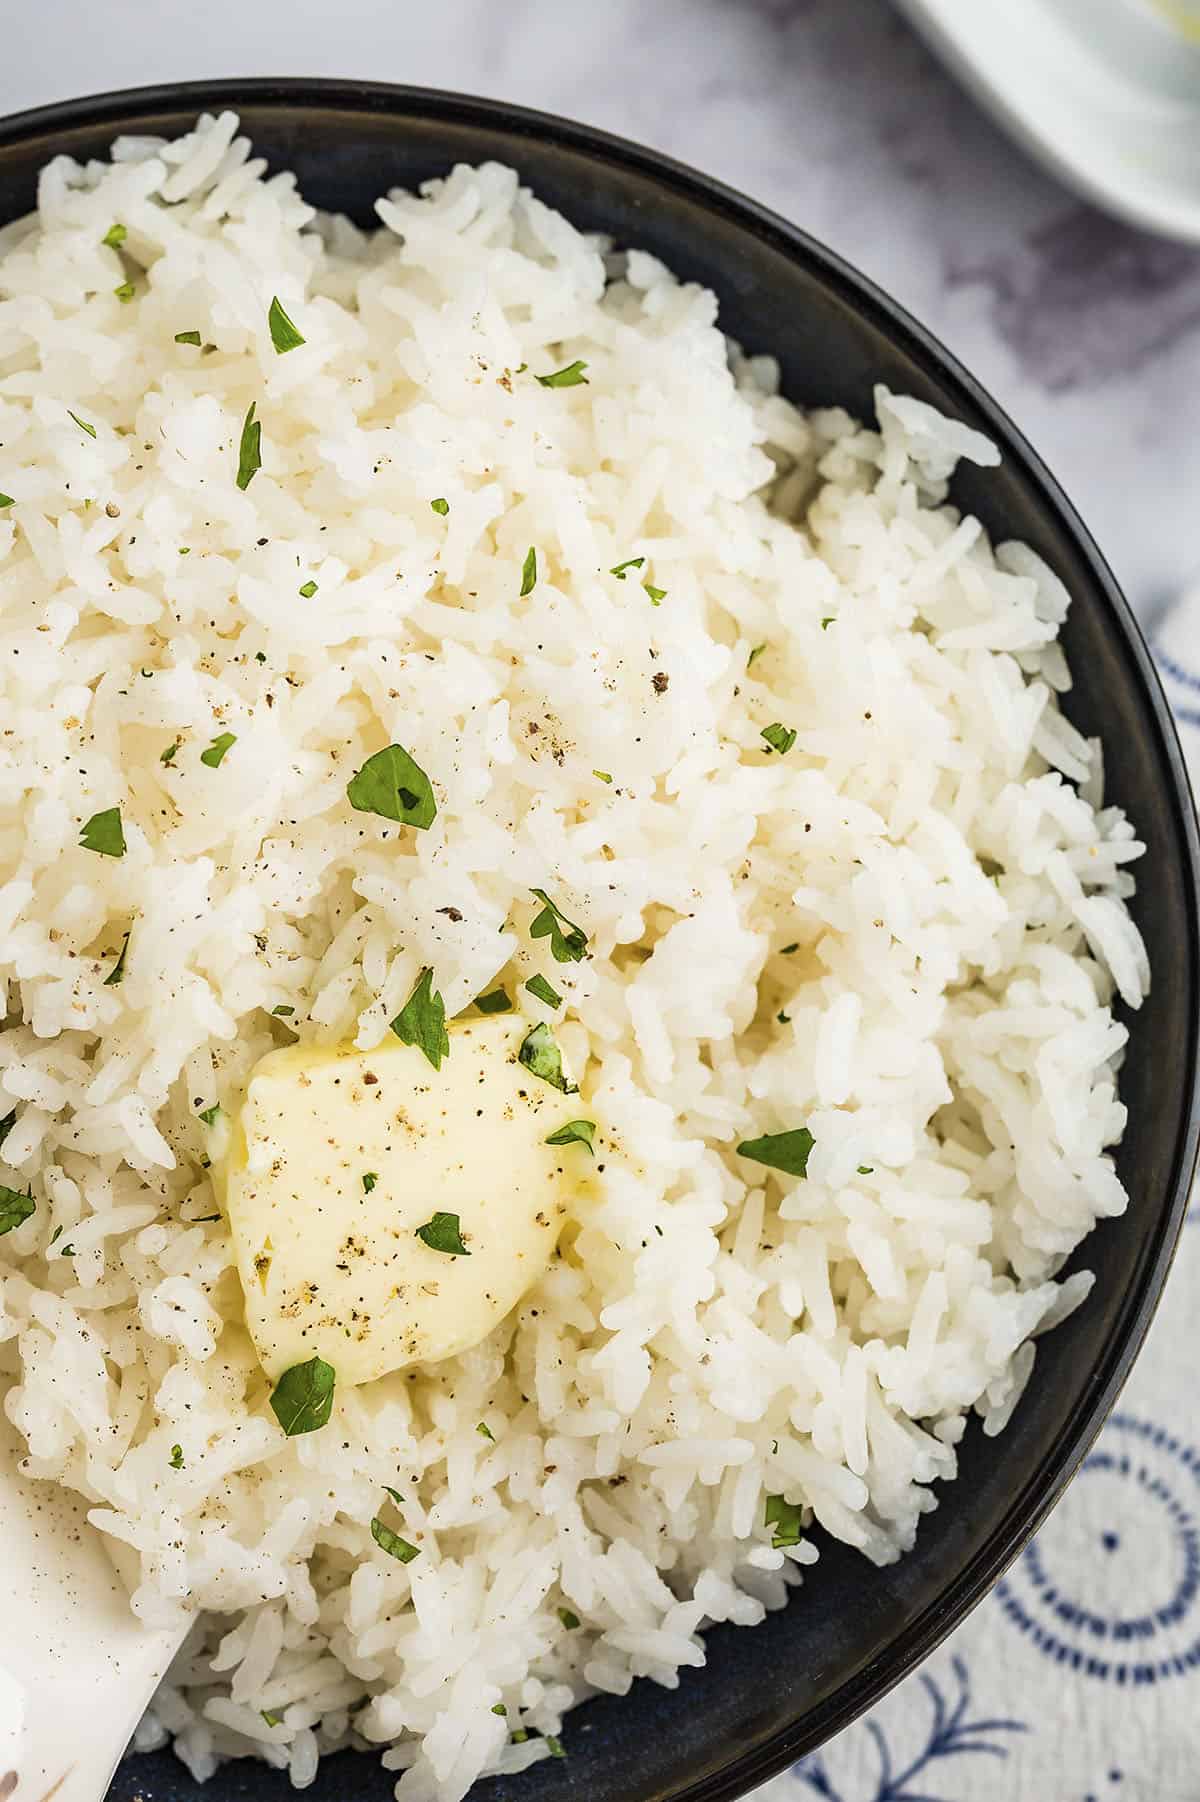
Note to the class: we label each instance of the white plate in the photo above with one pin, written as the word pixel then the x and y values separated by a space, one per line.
pixel 1106 91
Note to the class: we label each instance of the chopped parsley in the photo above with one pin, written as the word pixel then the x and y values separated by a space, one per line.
pixel 602 776
pixel 779 738
pixel 307 590
pixel 6 500
pixel 83 424
pixel 828 621
pixel 866 1169
pixel 283 1011
pixel 785 1517
pixel 656 594
pixel 6 1125
pixel 117 973
pixel 787 950
pixel 568 942
pixel 115 235
pixel 284 335
pixel 249 448
pixel 555 1746
pixel 422 1021
pixel 497 1002
pixel 209 1114
pixel 539 987
pixel 529 572
pixel 104 833
pixel 575 1132
pixel 271 1718
pixel 571 376
pixel 15 1208
pixel 441 505
pixel 391 785
pixel 125 292
pixel 541 1056
pixel 392 1544
pixel 302 1399
pixel 499 1708
pixel 442 1234
pixel 187 337
pixel 786 1151
pixel 176 1457
pixel 370 1178
pixel 783 1019
pixel 618 569
pixel 569 1619
pixel 755 653
pixel 216 751
pixel 486 1432
pixel 168 756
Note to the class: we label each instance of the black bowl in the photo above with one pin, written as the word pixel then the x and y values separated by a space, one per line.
pixel 766 1697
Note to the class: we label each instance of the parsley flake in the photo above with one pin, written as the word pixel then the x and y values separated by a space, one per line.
pixel 571 376
pixel 302 1399
pixel 539 987
pixel 249 448
pixel 555 1746
pixel 209 1114
pixel 828 621
pixel 568 942
pixel 391 785
pixel 618 569
pixel 116 234
pixel 370 1178
pixel 168 756
pixel 6 1125
pixel 497 1002
pixel 866 1169
pixel 392 1544
pixel 187 337
pixel 541 1056
pixel 787 1151
pixel 755 653
pixel 786 1518
pixel 176 1457
pixel 486 1432
pixel 575 1132
pixel 307 590
pixel 786 950
pixel 569 1619
pixel 602 776
pixel 441 505
pixel 656 594
pixel 83 424
pixel 779 738
pixel 15 1208
pixel 529 572
pixel 270 1717
pixel 422 1021
pixel 104 833
pixel 117 973
pixel 6 500
pixel 216 751
pixel 284 335
pixel 499 1708
pixel 442 1234
pixel 125 292
pixel 283 1011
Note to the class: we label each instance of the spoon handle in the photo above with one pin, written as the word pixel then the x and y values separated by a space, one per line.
pixel 76 1665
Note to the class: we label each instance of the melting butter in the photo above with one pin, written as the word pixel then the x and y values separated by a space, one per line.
pixel 338 1157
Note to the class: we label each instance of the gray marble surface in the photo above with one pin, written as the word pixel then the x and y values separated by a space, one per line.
pixel 830 111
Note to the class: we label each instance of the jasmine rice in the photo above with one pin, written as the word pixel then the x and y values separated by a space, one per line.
pixel 765 721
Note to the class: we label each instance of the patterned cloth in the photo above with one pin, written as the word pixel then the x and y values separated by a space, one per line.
pixel 1078 1679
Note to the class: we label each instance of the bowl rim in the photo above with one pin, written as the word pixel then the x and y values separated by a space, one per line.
pixel 123 108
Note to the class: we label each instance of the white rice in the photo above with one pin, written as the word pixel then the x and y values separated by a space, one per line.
pixel 903 934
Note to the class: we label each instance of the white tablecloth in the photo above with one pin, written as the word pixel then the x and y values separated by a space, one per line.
pixel 1078 1679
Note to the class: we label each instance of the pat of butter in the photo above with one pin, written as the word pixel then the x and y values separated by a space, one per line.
pixel 336 1159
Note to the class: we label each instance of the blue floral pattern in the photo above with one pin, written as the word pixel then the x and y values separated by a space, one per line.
pixel 952 1733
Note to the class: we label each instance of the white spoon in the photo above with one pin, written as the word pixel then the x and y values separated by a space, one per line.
pixel 76 1665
